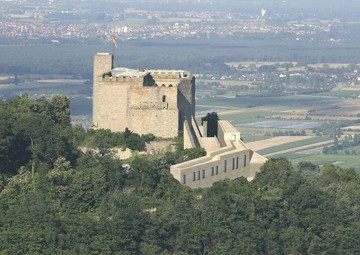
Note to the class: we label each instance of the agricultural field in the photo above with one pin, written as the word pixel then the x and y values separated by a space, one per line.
pixel 281 124
pixel 275 141
pixel 256 63
pixel 5 77
pixel 321 159
pixel 227 83
pixel 294 145
pixel 330 65
pixel 257 117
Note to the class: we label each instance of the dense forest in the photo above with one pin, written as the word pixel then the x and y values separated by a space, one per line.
pixel 57 200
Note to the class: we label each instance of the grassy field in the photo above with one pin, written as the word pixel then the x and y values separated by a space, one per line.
pixel 228 82
pixel 331 65
pixel 355 148
pixel 252 138
pixel 247 117
pixel 340 93
pixel 321 159
pixel 249 101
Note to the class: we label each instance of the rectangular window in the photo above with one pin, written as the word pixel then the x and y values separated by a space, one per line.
pixel 203 173
pixel 225 165
pixel 237 162
pixel 194 176
pixel 217 170
pixel 198 175
pixel 244 160
pixel 233 138
pixel 212 171
pixel 184 179
pixel 233 163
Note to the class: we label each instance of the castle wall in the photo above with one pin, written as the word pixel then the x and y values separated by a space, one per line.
pixel 145 101
pixel 110 106
pixel 154 110
pixel 186 100
pixel 109 99
pixel 103 63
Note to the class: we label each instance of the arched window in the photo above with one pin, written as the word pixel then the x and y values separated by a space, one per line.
pixel 163 85
pixel 164 99
pixel 170 86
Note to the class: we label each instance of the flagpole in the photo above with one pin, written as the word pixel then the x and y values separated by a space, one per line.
pixel 114 44
pixel 113 51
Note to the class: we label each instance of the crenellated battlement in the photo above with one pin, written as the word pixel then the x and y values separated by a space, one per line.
pixel 164 79
pixel 145 101
pixel 124 80
pixel 170 74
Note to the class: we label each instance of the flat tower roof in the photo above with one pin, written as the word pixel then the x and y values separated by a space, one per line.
pixel 128 72
pixel 122 71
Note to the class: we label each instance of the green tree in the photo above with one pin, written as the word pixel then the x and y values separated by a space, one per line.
pixel 308 168
pixel 61 110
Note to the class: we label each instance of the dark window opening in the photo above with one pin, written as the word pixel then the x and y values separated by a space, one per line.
pixel 164 99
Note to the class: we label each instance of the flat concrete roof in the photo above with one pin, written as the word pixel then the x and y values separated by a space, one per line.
pixel 227 127
pixel 210 143
pixel 127 72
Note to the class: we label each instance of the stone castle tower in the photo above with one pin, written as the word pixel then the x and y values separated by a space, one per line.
pixel 160 102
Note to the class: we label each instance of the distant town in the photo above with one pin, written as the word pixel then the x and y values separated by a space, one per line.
pixel 55 22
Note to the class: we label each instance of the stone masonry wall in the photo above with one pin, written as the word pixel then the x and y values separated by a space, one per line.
pixel 110 106
pixel 130 102
pixel 154 110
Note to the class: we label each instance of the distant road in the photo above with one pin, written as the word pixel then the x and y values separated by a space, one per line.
pixel 309 146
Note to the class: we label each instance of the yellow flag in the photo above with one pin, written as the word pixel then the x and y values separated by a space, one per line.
pixel 263 12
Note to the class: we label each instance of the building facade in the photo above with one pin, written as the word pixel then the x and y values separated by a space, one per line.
pixel 227 157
